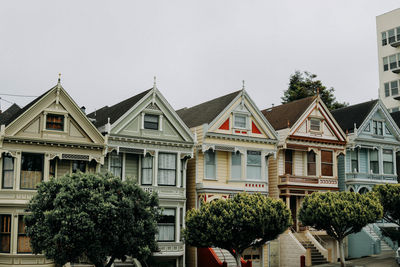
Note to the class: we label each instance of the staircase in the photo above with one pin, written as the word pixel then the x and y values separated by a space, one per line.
pixel 384 245
pixel 316 256
pixel 224 255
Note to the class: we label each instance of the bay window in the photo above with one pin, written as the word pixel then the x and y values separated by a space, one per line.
pixel 311 164
pixel 373 161
pixel 24 245
pixel 31 170
pixel 387 161
pixel 236 169
pixel 8 172
pixel 210 162
pixel 116 164
pixel 147 170
pixel 326 163
pixel 78 165
pixel 166 169
pixel 5 233
pixel 166 226
pixel 254 165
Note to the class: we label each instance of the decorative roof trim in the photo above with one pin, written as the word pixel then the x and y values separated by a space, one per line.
pixel 240 138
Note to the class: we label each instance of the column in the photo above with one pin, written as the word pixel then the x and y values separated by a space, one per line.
pixel 177 227
pixel 17 165
pixel 380 160
pixel 123 166
pixel 46 167
pixel 318 163
pixel 155 168
pixel 178 170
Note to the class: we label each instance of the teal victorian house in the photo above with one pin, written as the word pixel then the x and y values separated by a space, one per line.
pixel 373 140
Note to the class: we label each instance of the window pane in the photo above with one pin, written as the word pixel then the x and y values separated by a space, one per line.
pixel 78 165
pixel 116 164
pixel 147 170
pixel 311 167
pixel 31 170
pixel 391 36
pixel 166 169
pixel 151 122
pixel 315 124
pixel 387 90
pixel 326 163
pixel 240 121
pixel 254 165
pixel 394 87
pixel 326 156
pixel 55 122
pixel 8 172
pixel 210 164
pixel 288 161
pixel 373 155
pixel 236 170
pixel 166 225
pixel 384 40
pixel 5 233
pixel 385 64
pixel 387 161
pixel 393 62
pixel 24 245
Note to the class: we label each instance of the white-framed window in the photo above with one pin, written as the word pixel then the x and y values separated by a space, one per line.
pixel 253 165
pixel 354 160
pixel 166 226
pixel 394 87
pixel 210 164
pixel 166 169
pixel 385 64
pixel 326 163
pixel 387 89
pixel 387 161
pixel 8 172
pixel 240 121
pixel 391 35
pixel 116 164
pixel 315 124
pixel 377 127
pixel 32 165
pixel 23 244
pixel 236 169
pixel 384 39
pixel 147 170
pixel 374 161
pixel 55 122
pixel 5 233
pixel 311 163
pixel 151 121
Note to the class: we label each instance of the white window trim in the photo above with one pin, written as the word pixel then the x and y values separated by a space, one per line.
pixel 241 113
pixel 205 167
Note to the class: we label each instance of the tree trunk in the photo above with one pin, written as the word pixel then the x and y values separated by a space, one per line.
pixel 341 251
pixel 237 258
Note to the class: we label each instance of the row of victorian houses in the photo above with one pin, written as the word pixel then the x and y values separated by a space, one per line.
pixel 194 155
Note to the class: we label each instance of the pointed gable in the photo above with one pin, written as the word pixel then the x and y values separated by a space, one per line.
pixel 129 118
pixel 53 116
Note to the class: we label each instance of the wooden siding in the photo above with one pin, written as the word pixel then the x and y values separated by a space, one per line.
pixel 273 178
pixel 281 162
pixel 131 166
pixel 363 160
pixel 223 166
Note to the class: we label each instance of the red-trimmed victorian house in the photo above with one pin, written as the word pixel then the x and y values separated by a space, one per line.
pixel 149 143
pixel 310 141
pixel 49 137
pixel 234 145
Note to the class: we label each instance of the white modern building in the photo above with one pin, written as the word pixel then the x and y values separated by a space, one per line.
pixel 388 37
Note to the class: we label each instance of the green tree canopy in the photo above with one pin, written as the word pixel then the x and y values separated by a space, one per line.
pixel 236 224
pixel 340 213
pixel 389 196
pixel 92 216
pixel 304 84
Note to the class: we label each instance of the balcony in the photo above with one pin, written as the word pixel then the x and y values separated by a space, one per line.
pixel 172 192
pixel 308 181
pixel 379 178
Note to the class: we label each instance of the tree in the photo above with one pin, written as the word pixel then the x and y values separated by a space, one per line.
pixel 92 216
pixel 389 196
pixel 236 224
pixel 303 84
pixel 340 213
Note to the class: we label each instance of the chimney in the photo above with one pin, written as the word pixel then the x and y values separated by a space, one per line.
pixel 83 109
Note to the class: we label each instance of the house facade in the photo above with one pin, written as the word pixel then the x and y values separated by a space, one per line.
pixel 148 142
pixel 373 140
pixel 310 141
pixel 234 144
pixel 49 137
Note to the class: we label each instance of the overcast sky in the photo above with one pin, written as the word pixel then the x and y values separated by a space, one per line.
pixel 108 51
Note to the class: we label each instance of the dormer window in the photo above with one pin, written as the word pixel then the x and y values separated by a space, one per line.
pixel 240 121
pixel 315 125
pixel 55 122
pixel 151 121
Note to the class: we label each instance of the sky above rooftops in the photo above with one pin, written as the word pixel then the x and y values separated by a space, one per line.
pixel 108 51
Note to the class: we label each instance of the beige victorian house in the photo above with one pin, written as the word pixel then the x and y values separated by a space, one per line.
pixel 234 145
pixel 49 137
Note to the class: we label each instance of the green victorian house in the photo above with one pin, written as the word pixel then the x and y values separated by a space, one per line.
pixel 149 143
pixel 373 140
